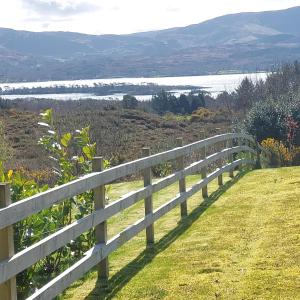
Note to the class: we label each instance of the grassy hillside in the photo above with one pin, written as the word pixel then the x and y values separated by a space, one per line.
pixel 120 134
pixel 241 243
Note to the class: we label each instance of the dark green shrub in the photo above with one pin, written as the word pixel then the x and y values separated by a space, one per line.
pixel 269 119
pixel 5 104
pixel 129 102
pixel 185 104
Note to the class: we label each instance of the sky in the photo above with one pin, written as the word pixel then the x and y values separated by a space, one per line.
pixel 122 16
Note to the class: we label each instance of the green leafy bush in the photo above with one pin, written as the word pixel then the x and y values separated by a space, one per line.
pixel 165 102
pixel 271 119
pixel 162 170
pixel 72 155
pixel 129 102
pixel 209 116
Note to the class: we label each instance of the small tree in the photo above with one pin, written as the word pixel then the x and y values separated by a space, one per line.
pixel 196 101
pixel 129 102
pixel 161 102
pixel 184 104
pixel 245 94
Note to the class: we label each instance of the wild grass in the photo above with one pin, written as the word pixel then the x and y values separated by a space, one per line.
pixel 240 243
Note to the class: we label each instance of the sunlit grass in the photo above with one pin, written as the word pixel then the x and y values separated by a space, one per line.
pixel 241 243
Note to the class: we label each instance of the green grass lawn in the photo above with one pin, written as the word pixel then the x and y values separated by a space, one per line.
pixel 241 243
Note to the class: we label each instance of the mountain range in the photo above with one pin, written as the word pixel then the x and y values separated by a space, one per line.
pixel 231 43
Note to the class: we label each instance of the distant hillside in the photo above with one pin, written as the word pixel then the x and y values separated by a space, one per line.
pixel 245 41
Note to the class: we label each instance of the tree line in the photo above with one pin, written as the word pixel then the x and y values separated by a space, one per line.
pixel 164 102
pixel 283 82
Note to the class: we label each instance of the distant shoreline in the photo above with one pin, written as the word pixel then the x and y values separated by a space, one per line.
pixel 116 87
pixel 219 73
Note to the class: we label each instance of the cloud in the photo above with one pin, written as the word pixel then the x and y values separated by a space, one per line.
pixel 59 7
pixel 121 16
pixel 172 9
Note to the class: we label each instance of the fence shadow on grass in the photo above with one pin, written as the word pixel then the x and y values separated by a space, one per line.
pixel 120 279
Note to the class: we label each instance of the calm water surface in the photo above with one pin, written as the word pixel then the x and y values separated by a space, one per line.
pixel 211 83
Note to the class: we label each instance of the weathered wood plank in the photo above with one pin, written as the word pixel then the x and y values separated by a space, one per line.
pixel 32 205
pixel 100 251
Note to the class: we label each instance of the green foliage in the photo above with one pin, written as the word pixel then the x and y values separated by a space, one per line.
pixel 246 93
pixel 209 116
pixel 177 118
pixel 283 82
pixel 162 170
pixel 71 154
pixel 185 104
pixel 270 119
pixel 4 103
pixel 129 102
pixel 28 231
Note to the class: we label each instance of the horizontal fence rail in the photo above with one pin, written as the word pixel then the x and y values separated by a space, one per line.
pixel 16 212
pixel 32 205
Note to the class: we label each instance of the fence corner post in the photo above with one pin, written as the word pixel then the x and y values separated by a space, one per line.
pixel 8 289
pixel 182 182
pixel 100 229
pixel 148 201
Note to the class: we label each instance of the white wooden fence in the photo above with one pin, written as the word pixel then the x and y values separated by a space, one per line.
pixel 10 213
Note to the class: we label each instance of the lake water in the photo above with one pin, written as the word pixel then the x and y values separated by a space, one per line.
pixel 214 84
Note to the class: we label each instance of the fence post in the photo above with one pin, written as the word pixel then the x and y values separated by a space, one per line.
pixel 147 174
pixel 203 176
pixel 204 170
pixel 101 229
pixel 182 183
pixel 231 172
pixel 220 177
pixel 8 289
pixel 240 143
